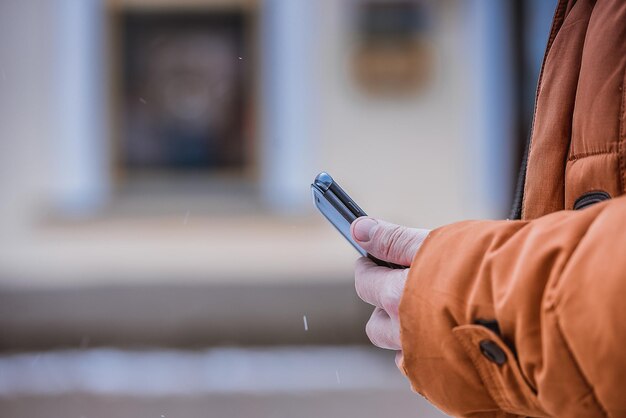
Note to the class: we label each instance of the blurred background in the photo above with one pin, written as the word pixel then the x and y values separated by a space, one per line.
pixel 160 255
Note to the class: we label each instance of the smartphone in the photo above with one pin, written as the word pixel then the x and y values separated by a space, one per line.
pixel 340 210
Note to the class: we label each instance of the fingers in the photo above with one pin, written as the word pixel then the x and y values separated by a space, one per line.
pixel 379 286
pixel 382 286
pixel 382 331
pixel 394 243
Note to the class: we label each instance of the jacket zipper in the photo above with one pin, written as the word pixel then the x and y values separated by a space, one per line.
pixel 518 208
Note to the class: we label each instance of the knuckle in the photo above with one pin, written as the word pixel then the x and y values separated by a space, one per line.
pixel 390 239
pixel 393 294
pixel 387 292
pixel 358 289
pixel 389 299
pixel 372 330
pixel 359 279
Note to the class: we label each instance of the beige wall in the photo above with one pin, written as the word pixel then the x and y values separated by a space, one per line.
pixel 401 159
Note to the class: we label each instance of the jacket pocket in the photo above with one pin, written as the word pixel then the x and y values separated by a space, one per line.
pixel 498 370
pixel 591 198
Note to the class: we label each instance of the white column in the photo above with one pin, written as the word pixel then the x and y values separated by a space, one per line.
pixel 27 55
pixel 491 115
pixel 288 66
pixel 80 137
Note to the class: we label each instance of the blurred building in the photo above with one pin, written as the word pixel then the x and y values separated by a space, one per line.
pixel 155 161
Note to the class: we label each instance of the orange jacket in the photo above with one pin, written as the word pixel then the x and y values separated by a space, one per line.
pixel 528 317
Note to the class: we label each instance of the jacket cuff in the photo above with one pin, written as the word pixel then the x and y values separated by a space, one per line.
pixel 463 368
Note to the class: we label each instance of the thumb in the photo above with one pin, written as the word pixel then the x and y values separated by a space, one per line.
pixel 386 241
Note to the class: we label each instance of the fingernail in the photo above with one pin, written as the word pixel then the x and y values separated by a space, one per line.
pixel 363 228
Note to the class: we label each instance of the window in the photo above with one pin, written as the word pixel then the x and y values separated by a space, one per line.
pixel 184 93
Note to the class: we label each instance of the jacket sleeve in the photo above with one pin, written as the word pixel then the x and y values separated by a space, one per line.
pixel 521 317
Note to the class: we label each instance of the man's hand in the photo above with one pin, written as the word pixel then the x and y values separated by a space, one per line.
pixel 382 287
